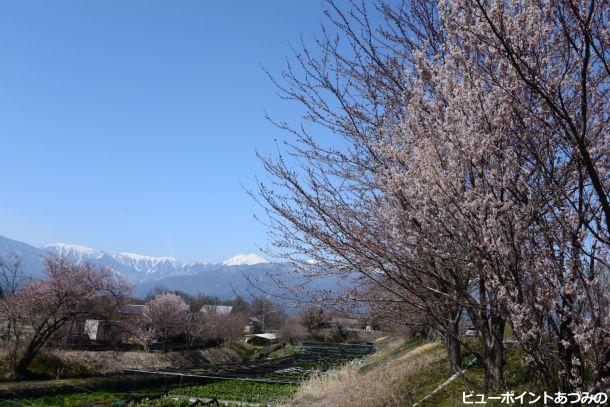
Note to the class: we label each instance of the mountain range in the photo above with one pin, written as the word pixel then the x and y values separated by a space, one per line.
pixel 223 280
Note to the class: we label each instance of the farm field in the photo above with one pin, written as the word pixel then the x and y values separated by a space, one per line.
pixel 235 391
pixel 270 380
pixel 308 358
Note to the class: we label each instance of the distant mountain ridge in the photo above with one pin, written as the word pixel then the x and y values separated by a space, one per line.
pixel 245 260
pixel 138 267
pixel 223 280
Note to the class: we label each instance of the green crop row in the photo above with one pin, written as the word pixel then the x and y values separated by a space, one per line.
pixel 173 402
pixel 238 390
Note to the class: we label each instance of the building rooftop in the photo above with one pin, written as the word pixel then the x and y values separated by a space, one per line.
pixel 133 309
pixel 216 309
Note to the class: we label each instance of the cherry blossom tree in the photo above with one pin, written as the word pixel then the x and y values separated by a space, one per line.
pixel 167 317
pixel 517 152
pixel 547 66
pixel 195 326
pixel 68 292
pixel 222 328
pixel 230 328
pixel 334 209
pixel 471 173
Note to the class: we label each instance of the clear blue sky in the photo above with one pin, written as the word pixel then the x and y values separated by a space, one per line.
pixel 132 125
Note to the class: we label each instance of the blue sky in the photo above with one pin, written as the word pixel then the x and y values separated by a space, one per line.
pixel 132 125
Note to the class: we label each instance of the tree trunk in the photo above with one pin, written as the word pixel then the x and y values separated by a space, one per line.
pixel 492 336
pixel 21 367
pixel 37 341
pixel 572 374
pixel 452 343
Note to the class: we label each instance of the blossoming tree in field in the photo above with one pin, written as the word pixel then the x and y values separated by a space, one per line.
pixel 167 316
pixel 67 293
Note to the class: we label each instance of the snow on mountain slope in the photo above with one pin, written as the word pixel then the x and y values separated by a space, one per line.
pixel 163 266
pixel 138 258
pixel 74 251
pixel 146 272
pixel 135 267
pixel 81 254
pixel 245 260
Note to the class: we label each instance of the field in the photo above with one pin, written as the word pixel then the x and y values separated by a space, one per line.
pixel 232 391
pixel 399 373
pixel 241 391
pixel 270 380
pixel 310 357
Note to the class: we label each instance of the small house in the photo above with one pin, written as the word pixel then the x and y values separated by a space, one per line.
pixel 133 309
pixel 110 331
pixel 100 330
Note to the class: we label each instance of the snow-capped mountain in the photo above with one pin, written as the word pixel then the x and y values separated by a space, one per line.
pixel 223 280
pixel 136 267
pixel 148 265
pixel 74 251
pixel 245 260
pixel 82 254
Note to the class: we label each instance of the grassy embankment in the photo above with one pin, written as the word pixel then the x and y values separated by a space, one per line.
pixel 402 374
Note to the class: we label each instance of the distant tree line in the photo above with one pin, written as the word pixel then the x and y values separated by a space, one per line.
pixel 271 313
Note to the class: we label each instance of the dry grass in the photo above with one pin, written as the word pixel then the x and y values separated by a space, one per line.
pixel 107 362
pixel 386 384
pixel 55 364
